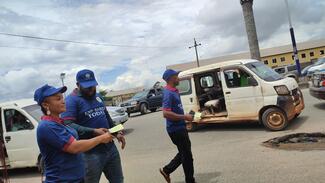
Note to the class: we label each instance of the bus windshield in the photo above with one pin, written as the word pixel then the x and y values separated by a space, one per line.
pixel 263 71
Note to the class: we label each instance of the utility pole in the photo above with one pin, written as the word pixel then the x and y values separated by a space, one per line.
pixel 293 39
pixel 247 6
pixel 197 56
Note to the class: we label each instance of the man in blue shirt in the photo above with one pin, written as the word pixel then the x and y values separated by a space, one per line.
pixel 87 113
pixel 176 128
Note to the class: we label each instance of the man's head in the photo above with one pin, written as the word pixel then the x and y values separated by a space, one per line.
pixel 171 77
pixel 86 83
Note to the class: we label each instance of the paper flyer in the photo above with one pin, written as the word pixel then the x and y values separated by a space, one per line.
pixel 116 128
pixel 197 116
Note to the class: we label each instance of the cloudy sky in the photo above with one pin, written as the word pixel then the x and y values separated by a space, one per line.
pixel 147 34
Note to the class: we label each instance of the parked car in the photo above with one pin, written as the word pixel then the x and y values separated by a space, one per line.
pixel 316 67
pixel 288 71
pixel 317 88
pixel 118 114
pixel 143 101
pixel 240 90
pixel 19 120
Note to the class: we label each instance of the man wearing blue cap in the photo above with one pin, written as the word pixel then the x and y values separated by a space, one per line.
pixel 86 112
pixel 176 128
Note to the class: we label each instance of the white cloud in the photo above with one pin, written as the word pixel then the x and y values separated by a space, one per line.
pixel 218 25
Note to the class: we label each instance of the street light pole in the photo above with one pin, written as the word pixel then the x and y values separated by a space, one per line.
pixel 62 76
pixel 197 56
pixel 293 39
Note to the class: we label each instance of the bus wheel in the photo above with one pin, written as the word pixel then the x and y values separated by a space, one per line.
pixel 275 119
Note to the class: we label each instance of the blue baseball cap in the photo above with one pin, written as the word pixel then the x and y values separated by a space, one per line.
pixel 169 73
pixel 86 78
pixel 46 91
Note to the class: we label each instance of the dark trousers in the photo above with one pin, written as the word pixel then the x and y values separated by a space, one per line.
pixel 184 155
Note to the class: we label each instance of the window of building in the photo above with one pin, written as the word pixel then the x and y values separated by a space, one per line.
pixel 293 57
pixel 274 60
pixel 321 52
pixel 283 59
pixel 303 55
pixel 266 62
pixel 311 54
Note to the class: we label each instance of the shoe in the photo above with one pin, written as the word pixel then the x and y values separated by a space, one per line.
pixel 165 175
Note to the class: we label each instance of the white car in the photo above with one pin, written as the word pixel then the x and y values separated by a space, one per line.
pixel 318 66
pixel 19 120
pixel 118 114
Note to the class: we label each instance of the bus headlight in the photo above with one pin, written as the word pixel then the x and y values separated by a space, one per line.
pixel 282 90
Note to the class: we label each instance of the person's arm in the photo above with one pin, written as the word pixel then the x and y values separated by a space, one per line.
pixel 177 117
pixel 119 135
pixel 79 146
pixel 111 124
pixel 83 132
pixel 60 138
pixel 167 110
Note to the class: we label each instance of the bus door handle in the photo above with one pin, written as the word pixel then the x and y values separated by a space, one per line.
pixel 228 93
pixel 191 100
pixel 7 139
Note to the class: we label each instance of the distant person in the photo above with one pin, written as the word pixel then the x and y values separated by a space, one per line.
pixel 176 128
pixel 87 113
pixel 59 145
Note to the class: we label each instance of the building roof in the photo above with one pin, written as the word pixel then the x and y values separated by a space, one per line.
pixel 124 92
pixel 245 55
pixel 215 66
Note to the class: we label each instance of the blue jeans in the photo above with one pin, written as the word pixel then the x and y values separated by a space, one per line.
pixel 108 162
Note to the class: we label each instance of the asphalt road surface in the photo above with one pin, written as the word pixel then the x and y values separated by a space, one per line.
pixel 222 152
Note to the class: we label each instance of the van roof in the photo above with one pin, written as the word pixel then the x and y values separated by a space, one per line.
pixel 20 103
pixel 215 66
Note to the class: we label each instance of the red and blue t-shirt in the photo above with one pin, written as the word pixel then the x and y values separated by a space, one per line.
pixel 172 102
pixel 89 113
pixel 53 139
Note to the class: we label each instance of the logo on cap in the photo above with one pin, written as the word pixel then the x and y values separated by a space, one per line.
pixel 99 99
pixel 87 76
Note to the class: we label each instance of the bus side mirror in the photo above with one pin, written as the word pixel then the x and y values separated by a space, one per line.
pixel 252 82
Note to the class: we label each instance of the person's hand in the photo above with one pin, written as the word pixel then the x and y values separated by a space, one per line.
pixel 188 117
pixel 100 131
pixel 106 138
pixel 121 139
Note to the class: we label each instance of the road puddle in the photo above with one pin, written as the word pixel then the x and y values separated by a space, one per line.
pixel 298 141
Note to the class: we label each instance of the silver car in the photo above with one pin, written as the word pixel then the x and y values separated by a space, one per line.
pixel 118 114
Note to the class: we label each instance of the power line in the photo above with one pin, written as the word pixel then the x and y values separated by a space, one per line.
pixel 30 48
pixel 83 42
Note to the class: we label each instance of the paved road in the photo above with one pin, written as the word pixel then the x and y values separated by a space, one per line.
pixel 222 153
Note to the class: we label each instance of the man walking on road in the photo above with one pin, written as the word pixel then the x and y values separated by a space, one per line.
pixel 176 128
pixel 87 113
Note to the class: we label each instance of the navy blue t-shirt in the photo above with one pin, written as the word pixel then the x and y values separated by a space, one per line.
pixel 53 139
pixel 89 113
pixel 172 102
